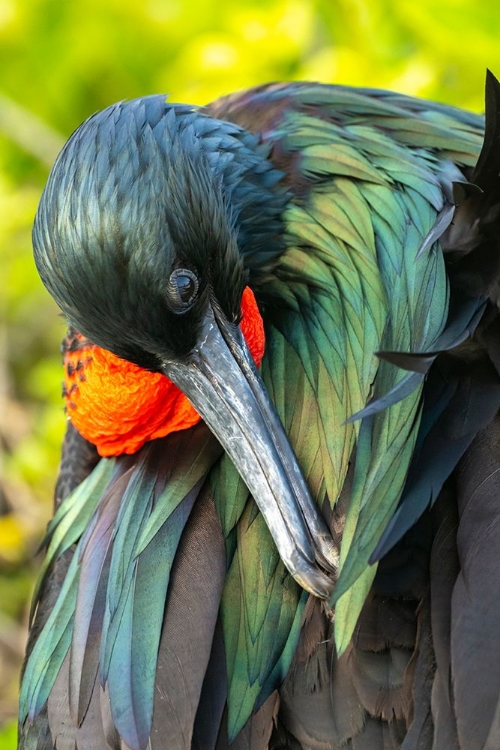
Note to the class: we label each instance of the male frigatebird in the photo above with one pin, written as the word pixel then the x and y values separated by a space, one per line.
pixel 277 514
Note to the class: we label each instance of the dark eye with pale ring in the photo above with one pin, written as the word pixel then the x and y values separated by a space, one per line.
pixel 182 289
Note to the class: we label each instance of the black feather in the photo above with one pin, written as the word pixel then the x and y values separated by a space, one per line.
pixel 475 609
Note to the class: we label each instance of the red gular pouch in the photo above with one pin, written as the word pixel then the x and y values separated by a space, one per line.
pixel 118 406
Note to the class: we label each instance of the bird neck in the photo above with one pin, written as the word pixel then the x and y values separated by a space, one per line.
pixel 119 406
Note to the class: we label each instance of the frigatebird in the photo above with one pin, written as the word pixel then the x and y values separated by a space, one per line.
pixel 276 519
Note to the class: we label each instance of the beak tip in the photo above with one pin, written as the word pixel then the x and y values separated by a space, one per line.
pixel 311 577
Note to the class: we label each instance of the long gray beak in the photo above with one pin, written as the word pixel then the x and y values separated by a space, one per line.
pixel 224 386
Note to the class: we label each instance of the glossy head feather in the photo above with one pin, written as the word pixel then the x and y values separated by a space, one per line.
pixel 139 190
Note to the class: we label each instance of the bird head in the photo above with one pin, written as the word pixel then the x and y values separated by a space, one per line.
pixel 153 220
pixel 135 235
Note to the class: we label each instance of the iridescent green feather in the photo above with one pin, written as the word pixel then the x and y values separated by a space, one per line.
pixel 418 303
pixel 354 283
pixel 261 612
pixel 136 540
pixel 350 283
pixel 65 529
pixel 71 519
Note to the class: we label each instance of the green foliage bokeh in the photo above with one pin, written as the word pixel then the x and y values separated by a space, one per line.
pixel 63 59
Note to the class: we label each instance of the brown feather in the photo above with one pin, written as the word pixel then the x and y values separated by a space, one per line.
pixel 188 629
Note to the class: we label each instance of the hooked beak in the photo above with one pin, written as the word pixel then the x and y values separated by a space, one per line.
pixel 225 388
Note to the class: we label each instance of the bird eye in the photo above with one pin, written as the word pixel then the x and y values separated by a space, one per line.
pixel 182 289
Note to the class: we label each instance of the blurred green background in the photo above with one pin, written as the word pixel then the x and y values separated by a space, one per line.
pixel 60 60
